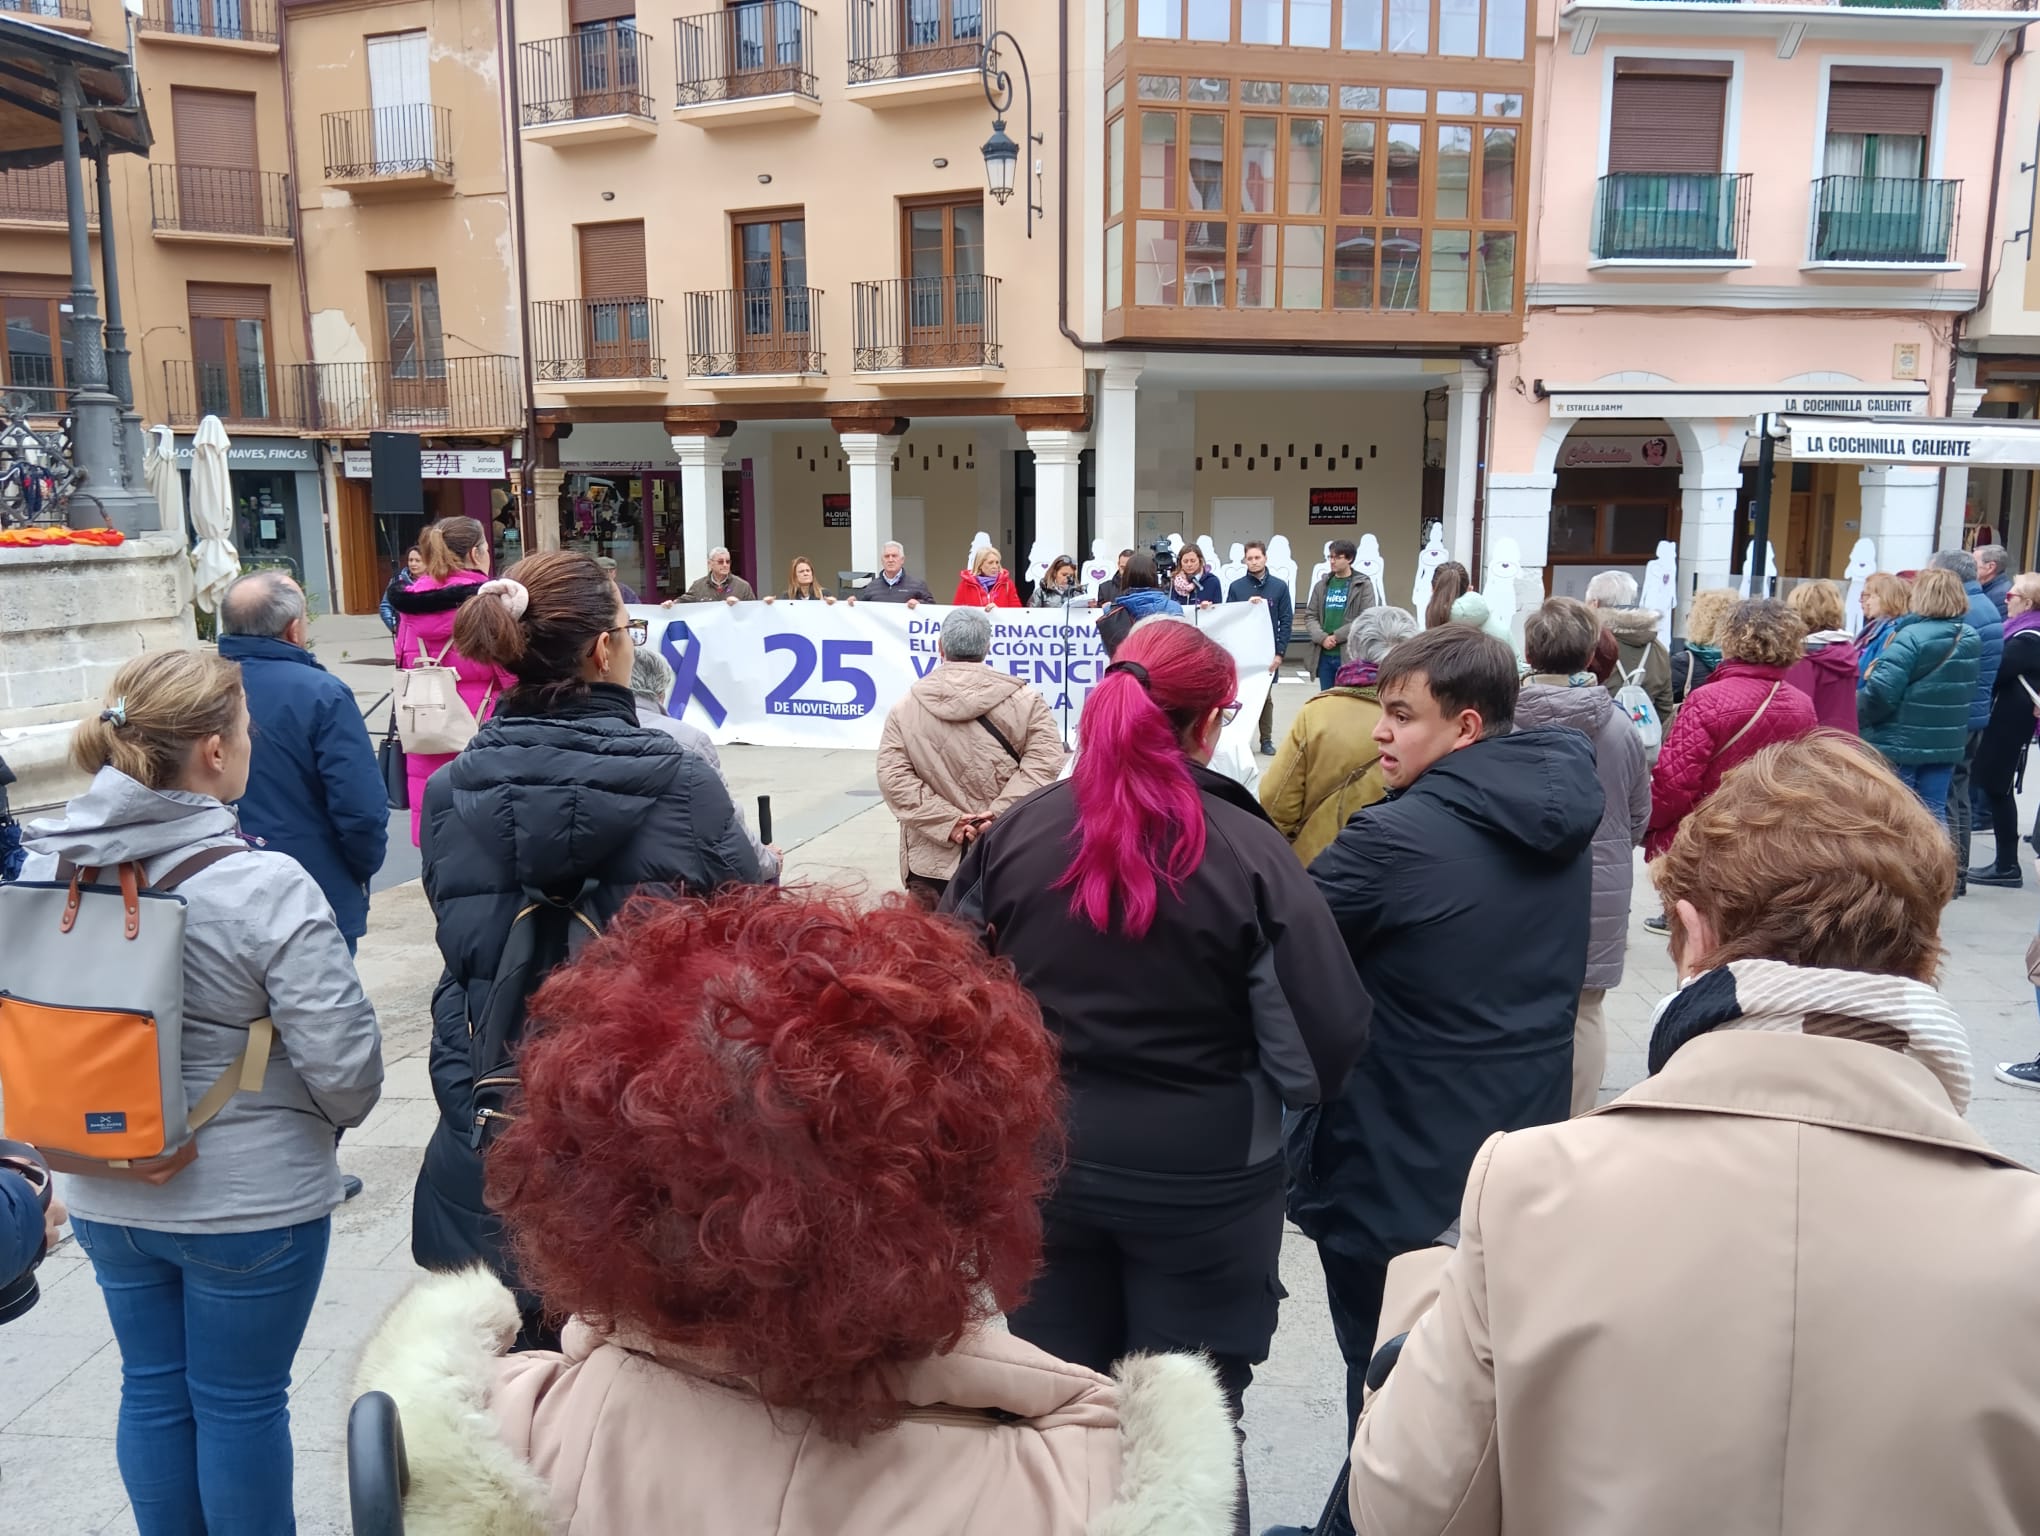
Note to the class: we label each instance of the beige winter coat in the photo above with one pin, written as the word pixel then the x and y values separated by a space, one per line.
pixel 608 1440
pixel 1779 1289
pixel 936 763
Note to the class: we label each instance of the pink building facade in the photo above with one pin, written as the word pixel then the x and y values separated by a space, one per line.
pixel 1745 209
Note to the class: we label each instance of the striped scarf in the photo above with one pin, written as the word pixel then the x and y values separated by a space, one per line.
pixel 1892 1011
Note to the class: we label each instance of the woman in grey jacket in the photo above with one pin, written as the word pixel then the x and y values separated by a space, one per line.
pixel 209 1278
pixel 1558 641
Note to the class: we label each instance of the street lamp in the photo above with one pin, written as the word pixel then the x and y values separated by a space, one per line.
pixel 1002 155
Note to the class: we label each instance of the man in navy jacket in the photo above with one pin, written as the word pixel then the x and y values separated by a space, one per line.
pixel 1259 585
pixel 314 791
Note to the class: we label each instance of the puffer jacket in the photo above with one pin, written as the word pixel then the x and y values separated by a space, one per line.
pixel 1692 665
pixel 2012 710
pixel 1914 706
pixel 1871 640
pixel 259 939
pixel 1709 738
pixel 1827 675
pixel 937 762
pixel 1625 815
pixel 1328 767
pixel 1637 644
pixel 545 802
pixel 1989 625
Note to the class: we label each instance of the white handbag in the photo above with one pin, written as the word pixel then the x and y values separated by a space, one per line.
pixel 431 715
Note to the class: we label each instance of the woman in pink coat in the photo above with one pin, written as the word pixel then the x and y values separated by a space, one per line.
pixel 456 551
pixel 780 1162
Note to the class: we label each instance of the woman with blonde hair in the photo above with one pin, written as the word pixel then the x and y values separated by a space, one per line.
pixel 986 583
pixel 1789 1214
pixel 1914 703
pixel 1449 583
pixel 1827 672
pixel 1695 657
pixel 209 1275
pixel 1885 600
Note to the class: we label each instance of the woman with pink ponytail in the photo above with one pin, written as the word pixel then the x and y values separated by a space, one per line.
pixel 1198 985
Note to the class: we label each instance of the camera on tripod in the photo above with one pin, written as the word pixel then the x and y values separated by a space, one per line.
pixel 1165 559
pixel 20 1292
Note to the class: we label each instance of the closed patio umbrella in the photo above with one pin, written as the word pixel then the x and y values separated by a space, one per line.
pixel 159 470
pixel 212 514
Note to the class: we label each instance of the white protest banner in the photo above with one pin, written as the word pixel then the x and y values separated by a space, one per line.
pixel 825 675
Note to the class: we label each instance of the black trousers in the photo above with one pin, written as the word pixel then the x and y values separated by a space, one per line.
pixel 1961 818
pixel 1184 1279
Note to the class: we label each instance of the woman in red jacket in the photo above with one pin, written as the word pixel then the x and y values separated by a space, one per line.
pixel 987 584
pixel 1746 706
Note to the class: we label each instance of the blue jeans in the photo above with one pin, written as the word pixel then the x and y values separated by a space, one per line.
pixel 208 1324
pixel 1929 781
pixel 1328 664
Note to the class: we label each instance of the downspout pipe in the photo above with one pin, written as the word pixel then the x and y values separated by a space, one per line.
pixel 513 116
pixel 1062 175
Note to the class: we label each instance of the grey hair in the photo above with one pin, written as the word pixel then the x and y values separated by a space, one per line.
pixel 966 635
pixel 892 544
pixel 650 678
pixel 1378 631
pixel 1958 562
pixel 1612 589
pixel 263 603
pixel 1994 554
pixel 719 550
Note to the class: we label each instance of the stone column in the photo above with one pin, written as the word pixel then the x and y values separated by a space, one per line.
pixel 871 459
pixel 1462 463
pixel 1955 478
pixel 1118 464
pixel 701 498
pixel 546 485
pixel 1901 511
pixel 1708 487
pixel 1056 491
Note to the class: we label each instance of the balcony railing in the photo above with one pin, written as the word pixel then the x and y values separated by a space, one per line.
pixel 37 10
pixel 425 394
pixel 37 197
pixel 897 39
pixel 604 73
pixel 1672 216
pixel 263 395
pixel 577 340
pixel 219 200
pixel 227 21
pixel 734 331
pixel 1890 220
pixel 760 48
pixel 393 142
pixel 926 322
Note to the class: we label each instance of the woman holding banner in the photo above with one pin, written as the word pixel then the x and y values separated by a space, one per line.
pixel 801 586
pixel 987 584
pixel 1197 983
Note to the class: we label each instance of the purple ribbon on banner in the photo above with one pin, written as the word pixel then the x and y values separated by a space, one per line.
pixel 687 684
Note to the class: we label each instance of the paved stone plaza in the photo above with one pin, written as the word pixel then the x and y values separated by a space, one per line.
pixel 60 1371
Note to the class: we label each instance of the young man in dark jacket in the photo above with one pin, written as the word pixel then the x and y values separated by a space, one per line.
pixel 1465 900
pixel 1260 585
pixel 314 791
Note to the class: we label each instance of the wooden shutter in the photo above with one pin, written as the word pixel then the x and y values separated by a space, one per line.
pixel 1862 106
pixel 227 301
pixel 580 11
pixel 1666 122
pixel 213 128
pixel 613 260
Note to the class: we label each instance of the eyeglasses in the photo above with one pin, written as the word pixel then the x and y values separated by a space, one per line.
pixel 640 631
pixel 1229 713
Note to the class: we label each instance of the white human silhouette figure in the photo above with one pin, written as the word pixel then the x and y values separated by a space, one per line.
pixel 1283 563
pixel 1661 588
pixel 1369 564
pixel 982 541
pixel 1861 567
pixel 1750 564
pixel 1505 565
pixel 1429 558
pixel 1038 558
pixel 1175 543
pixel 1098 570
pixel 1322 569
pixel 1235 565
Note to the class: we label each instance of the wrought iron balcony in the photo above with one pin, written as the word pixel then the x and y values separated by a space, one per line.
pixel 37 197
pixel 898 39
pixel 264 396
pixel 736 331
pixel 225 21
pixel 581 340
pixel 758 48
pixel 926 322
pixel 423 394
pixel 598 73
pixel 219 200
pixel 1888 220
pixel 395 146
pixel 1672 216
pixel 43 10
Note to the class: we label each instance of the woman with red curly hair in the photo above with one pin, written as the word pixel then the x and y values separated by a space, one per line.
pixel 780 1160
pixel 1198 984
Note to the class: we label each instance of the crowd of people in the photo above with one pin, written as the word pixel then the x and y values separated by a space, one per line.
pixel 960 1211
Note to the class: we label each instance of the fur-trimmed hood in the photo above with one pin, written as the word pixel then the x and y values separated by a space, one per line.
pixel 999 1438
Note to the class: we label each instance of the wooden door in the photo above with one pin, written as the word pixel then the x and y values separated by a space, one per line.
pixel 416 346
pixel 400 91
pixel 617 320
pixel 218 180
pixel 937 35
pixel 945 287
pixel 604 59
pixel 765 46
pixel 364 570
pixel 230 351
pixel 773 322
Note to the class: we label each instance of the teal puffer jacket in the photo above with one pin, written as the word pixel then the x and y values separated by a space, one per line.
pixel 1914 706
